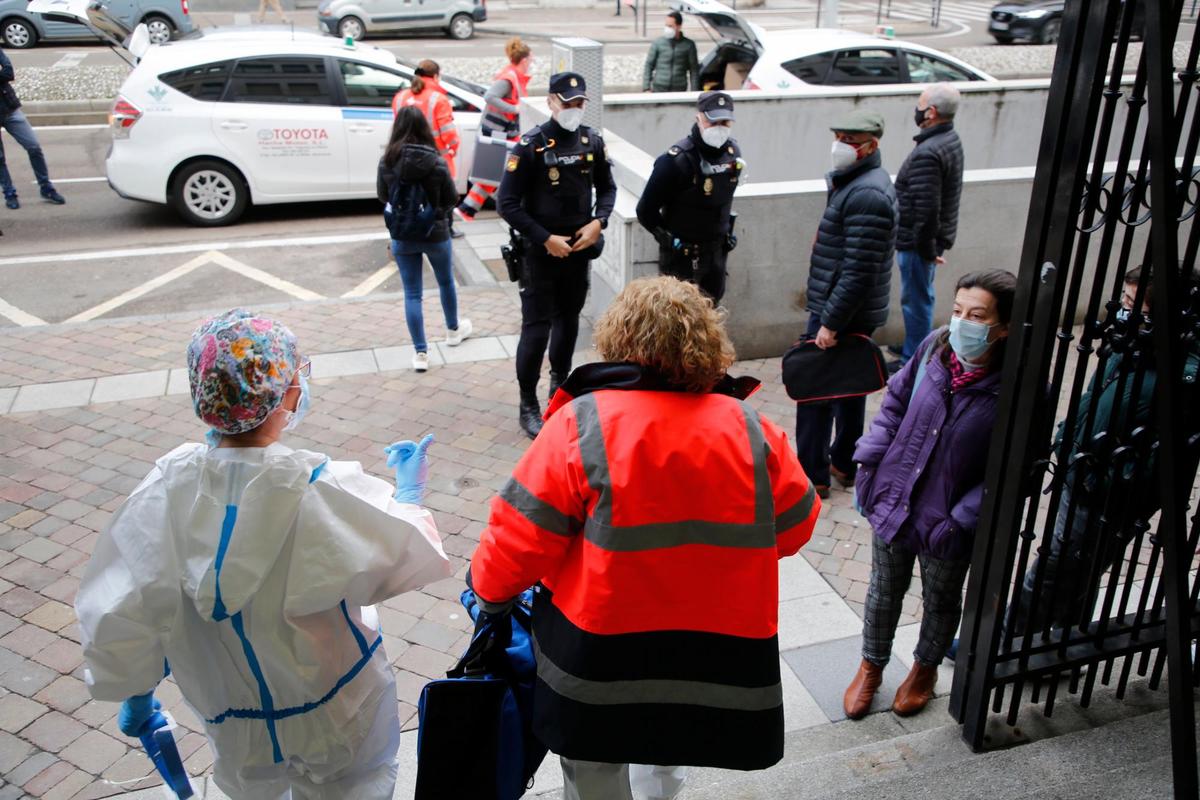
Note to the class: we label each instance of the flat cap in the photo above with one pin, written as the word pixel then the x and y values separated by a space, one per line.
pixel 715 106
pixel 859 121
pixel 568 85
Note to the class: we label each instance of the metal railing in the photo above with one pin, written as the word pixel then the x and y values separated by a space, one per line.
pixel 1083 568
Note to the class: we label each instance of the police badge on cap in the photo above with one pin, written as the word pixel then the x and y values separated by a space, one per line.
pixel 568 86
pixel 715 106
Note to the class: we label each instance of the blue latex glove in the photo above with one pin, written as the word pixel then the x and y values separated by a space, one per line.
pixel 136 712
pixel 412 468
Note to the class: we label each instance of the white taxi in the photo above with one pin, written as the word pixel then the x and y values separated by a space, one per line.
pixel 212 124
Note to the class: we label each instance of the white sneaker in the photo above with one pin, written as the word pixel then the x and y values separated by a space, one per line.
pixel 420 361
pixel 455 338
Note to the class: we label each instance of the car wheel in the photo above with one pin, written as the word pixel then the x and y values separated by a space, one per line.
pixel 1049 34
pixel 351 27
pixel 160 29
pixel 209 193
pixel 461 27
pixel 1004 40
pixel 19 34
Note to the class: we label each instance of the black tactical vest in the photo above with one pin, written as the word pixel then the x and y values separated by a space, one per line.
pixel 561 195
pixel 700 211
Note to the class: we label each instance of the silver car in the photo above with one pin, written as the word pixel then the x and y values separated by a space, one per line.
pixel 354 19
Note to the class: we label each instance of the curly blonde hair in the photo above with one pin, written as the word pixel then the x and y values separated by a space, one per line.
pixel 669 325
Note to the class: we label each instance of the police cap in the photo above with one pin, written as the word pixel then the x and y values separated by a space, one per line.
pixel 859 121
pixel 715 106
pixel 568 86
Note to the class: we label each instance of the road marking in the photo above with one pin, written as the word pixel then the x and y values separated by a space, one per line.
pixel 266 278
pixel 138 291
pixel 179 249
pixel 89 127
pixel 69 60
pixel 18 316
pixel 74 180
pixel 373 282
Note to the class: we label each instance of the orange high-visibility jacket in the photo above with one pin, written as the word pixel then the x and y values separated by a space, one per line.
pixel 654 521
pixel 506 121
pixel 435 105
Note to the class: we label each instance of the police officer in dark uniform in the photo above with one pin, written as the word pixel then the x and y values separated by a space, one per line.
pixel 687 203
pixel 546 196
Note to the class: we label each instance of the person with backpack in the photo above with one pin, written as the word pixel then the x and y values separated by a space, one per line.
pixel 426 93
pixel 920 484
pixel 418 193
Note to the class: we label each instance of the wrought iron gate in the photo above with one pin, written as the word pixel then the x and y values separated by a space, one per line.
pixel 1084 561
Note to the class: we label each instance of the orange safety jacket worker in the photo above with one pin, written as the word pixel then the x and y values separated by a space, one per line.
pixel 435 105
pixel 500 120
pixel 653 519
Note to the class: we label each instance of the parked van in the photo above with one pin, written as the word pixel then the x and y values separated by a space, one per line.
pixel 355 19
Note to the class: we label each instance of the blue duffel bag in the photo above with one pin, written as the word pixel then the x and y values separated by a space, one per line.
pixel 475 737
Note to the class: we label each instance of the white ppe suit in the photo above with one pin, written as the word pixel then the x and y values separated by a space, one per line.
pixel 247 570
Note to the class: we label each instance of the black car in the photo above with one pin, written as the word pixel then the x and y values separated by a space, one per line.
pixel 1038 20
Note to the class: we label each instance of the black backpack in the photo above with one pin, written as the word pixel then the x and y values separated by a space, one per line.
pixel 409 215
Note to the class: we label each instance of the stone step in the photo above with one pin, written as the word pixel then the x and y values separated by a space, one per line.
pixel 1076 753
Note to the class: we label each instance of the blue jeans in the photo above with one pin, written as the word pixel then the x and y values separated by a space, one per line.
pixel 408 259
pixel 20 129
pixel 916 299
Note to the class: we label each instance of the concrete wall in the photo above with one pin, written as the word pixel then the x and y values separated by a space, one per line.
pixel 777 221
pixel 786 137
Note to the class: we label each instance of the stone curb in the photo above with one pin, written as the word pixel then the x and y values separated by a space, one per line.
pixel 169 382
pixel 67 112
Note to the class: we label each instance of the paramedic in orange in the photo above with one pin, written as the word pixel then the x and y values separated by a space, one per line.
pixel 427 94
pixel 501 116
pixel 652 510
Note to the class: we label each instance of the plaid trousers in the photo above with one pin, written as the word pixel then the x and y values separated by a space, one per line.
pixel 941 592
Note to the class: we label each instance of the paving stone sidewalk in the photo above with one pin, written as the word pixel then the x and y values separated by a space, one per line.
pixel 65 471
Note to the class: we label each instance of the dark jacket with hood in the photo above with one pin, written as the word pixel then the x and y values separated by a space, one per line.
pixel 422 164
pixel 849 278
pixel 928 187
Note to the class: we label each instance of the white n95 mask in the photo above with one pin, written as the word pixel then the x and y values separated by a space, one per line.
pixel 570 118
pixel 716 136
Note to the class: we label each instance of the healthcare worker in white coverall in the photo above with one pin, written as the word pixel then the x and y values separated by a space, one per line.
pixel 248 570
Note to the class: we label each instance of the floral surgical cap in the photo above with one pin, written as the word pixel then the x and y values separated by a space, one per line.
pixel 239 366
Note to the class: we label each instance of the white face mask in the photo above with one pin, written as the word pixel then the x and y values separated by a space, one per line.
pixel 668 31
pixel 842 155
pixel 716 135
pixel 569 118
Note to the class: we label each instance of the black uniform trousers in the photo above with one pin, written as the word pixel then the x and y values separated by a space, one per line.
pixel 553 291
pixel 706 269
pixel 815 423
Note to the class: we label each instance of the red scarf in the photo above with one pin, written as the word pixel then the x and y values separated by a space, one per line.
pixel 960 378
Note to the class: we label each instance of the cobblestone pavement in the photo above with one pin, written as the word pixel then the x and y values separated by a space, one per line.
pixel 65 470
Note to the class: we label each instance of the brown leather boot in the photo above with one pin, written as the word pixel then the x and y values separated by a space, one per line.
pixel 916 691
pixel 861 691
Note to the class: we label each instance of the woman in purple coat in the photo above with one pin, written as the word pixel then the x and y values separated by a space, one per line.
pixel 920 484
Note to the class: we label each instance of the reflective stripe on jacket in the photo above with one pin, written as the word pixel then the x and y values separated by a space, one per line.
pixel 435 105
pixel 654 521
pixel 518 87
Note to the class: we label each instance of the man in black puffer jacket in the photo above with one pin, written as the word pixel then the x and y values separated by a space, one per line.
pixel 849 286
pixel 928 187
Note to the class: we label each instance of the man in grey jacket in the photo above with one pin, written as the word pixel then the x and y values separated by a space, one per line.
pixel 849 286
pixel 671 64
pixel 928 188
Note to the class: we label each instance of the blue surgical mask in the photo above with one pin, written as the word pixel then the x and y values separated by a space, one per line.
pixel 969 339
pixel 213 438
pixel 294 417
